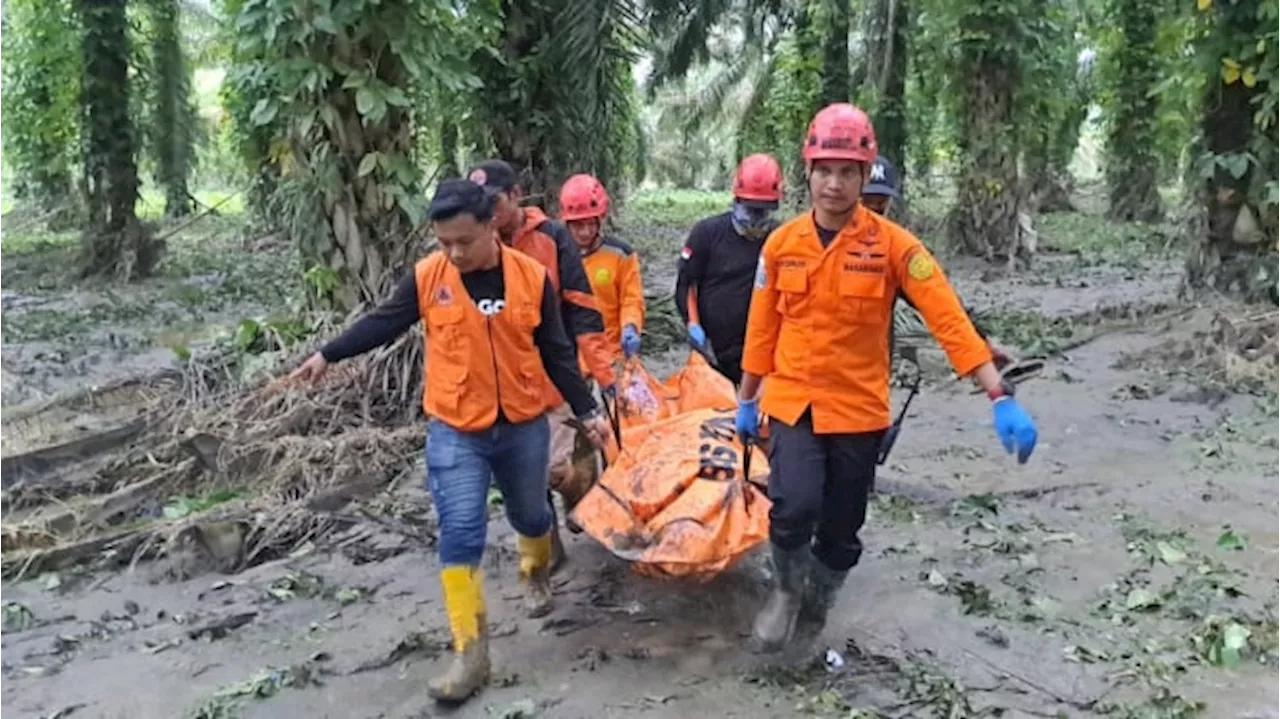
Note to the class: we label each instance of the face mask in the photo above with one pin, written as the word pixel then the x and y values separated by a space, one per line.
pixel 753 222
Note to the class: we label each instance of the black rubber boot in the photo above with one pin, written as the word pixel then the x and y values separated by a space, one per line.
pixel 818 598
pixel 776 622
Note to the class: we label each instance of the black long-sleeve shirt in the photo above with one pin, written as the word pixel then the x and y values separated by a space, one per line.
pixel 721 265
pixel 487 288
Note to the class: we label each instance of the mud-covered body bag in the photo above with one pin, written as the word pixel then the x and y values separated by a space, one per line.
pixel 675 501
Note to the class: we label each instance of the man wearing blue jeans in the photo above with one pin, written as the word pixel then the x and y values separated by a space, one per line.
pixel 493 336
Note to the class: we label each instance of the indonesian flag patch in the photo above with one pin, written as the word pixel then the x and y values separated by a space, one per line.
pixel 686 253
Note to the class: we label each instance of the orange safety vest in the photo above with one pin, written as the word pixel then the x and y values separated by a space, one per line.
pixel 475 364
pixel 818 328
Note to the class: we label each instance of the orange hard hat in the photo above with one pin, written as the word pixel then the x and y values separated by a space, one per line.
pixel 583 197
pixel 758 178
pixel 840 132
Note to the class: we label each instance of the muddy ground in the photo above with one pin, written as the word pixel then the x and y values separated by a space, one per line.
pixel 1129 570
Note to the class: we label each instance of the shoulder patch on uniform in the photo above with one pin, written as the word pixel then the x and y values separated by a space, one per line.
pixel 686 252
pixel 920 266
pixel 617 246
pixel 444 295
pixel 602 276
pixel 762 277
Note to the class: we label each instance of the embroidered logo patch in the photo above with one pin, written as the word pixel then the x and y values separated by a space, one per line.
pixel 920 267
pixel 686 253
pixel 603 276
pixel 478 176
pixel 444 295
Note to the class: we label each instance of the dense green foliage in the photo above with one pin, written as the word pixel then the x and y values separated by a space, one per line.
pixel 335 116
pixel 41 98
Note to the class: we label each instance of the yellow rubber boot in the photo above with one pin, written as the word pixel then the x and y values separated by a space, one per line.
pixel 464 602
pixel 535 572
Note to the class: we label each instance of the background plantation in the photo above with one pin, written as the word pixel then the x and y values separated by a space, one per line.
pixel 197 192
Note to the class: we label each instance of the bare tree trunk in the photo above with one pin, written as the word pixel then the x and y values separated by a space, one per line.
pixel 984 220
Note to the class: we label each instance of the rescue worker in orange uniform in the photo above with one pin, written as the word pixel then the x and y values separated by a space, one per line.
pixel 494 337
pixel 818 340
pixel 529 230
pixel 713 281
pixel 612 266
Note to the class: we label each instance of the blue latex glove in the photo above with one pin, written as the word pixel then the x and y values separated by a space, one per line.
pixel 747 421
pixel 630 341
pixel 1014 427
pixel 698 336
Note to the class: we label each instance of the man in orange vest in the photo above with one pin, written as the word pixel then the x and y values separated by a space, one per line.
pixel 718 260
pixel 494 338
pixel 529 230
pixel 818 330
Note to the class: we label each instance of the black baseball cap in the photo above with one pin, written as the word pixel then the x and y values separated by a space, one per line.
pixel 883 180
pixel 454 197
pixel 494 175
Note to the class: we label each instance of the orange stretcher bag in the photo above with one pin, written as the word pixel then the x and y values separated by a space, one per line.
pixel 675 501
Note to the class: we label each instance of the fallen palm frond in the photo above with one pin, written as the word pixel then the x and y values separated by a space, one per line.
pixel 285 457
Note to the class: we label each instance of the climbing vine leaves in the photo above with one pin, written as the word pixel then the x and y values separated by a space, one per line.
pixel 337 83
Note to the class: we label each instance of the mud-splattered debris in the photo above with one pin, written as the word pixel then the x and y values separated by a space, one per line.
pixel 266 683
pixel 1163 703
pixel 591 657
pixel 637 653
pixel 17 617
pixel 222 626
pixel 505 680
pixel 993 636
pixel 131 608
pixel 561 626
pixel 426 644
pixel 63 712
pixel 1084 655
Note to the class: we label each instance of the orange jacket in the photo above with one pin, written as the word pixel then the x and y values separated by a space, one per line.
pixel 614 271
pixel 819 323
pixel 473 363
pixel 550 243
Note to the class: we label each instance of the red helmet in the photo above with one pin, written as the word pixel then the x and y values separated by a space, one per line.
pixel 840 132
pixel 583 197
pixel 758 178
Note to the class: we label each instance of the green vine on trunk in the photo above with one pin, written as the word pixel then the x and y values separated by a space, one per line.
pixel 1133 162
pixel 173 116
pixel 337 80
pixel 114 242
pixel 42 68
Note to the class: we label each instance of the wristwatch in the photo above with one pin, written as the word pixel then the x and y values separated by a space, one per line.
pixel 1004 389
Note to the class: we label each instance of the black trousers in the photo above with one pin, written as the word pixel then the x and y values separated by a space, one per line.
pixel 819 484
pixel 729 361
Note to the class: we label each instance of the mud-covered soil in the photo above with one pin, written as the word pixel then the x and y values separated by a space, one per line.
pixel 1129 570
